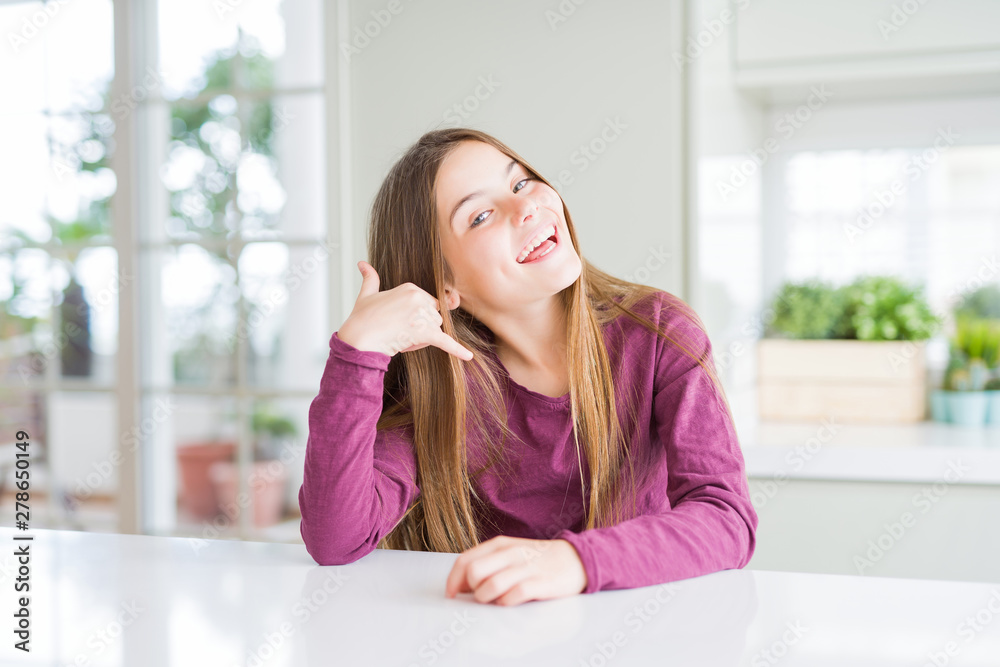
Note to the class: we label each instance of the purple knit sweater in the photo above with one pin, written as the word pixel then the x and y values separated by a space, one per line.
pixel 694 511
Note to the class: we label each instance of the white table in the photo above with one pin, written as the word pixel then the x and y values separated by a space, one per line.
pixel 141 601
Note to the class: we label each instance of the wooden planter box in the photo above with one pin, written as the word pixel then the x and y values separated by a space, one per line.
pixel 849 380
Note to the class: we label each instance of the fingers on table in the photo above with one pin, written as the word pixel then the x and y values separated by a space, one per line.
pixel 459 579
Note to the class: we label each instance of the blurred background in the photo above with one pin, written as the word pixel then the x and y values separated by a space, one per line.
pixel 184 191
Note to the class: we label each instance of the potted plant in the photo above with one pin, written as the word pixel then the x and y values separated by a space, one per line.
pixel 969 384
pixel 993 393
pixel 855 352
pixel 268 476
pixel 195 460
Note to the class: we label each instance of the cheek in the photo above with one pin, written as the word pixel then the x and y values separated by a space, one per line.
pixel 552 199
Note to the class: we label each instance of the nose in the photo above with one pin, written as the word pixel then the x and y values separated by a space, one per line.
pixel 524 209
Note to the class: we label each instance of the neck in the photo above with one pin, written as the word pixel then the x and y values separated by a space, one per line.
pixel 533 338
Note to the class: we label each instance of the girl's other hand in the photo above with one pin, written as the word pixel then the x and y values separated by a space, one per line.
pixel 512 570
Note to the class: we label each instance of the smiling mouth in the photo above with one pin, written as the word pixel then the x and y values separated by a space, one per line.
pixel 542 249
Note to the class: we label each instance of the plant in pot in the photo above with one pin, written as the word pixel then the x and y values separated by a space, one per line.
pixel 195 460
pixel 854 352
pixel 269 475
pixel 969 390
pixel 993 393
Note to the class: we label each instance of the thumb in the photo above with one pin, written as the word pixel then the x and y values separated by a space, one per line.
pixel 369 279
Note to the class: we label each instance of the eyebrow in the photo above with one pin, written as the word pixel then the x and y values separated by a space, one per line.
pixel 472 195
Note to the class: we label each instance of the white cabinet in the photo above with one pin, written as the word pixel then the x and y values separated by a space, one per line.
pixel 866 48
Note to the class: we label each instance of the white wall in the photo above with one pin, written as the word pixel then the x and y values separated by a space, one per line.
pixel 725 126
pixel 555 82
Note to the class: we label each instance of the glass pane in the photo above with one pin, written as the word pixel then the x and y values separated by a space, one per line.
pixel 56 55
pixel 196 324
pixel 200 432
pixel 286 328
pixel 96 272
pixel 222 46
pixel 282 174
pixel 79 54
pixel 279 430
pixel 24 178
pixel 22 60
pixel 200 168
pixel 27 287
pixel 84 460
pixel 80 179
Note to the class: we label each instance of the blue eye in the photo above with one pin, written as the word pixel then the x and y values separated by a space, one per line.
pixel 479 219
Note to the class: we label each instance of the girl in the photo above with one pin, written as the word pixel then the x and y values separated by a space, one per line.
pixel 493 394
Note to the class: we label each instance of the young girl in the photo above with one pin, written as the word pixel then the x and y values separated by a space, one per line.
pixel 495 395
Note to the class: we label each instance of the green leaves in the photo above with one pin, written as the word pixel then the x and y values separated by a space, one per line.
pixel 885 308
pixel 974 352
pixel 808 310
pixel 870 308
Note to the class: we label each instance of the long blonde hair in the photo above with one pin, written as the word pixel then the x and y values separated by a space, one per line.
pixel 427 390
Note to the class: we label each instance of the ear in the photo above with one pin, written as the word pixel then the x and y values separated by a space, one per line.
pixel 452 298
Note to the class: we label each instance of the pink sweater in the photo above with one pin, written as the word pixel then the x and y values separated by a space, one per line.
pixel 695 515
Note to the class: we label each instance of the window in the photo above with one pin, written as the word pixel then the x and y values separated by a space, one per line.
pixel 58 263
pixel 229 186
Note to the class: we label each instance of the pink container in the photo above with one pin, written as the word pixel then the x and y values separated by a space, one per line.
pixel 197 493
pixel 266 486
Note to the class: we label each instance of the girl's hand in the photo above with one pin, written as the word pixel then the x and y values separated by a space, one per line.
pixel 512 570
pixel 401 319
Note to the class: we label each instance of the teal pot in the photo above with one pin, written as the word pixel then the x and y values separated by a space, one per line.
pixel 993 411
pixel 939 405
pixel 967 408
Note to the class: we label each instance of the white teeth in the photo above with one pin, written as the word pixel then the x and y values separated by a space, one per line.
pixel 538 241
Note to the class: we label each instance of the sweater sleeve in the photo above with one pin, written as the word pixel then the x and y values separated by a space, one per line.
pixel 357 482
pixel 711 524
